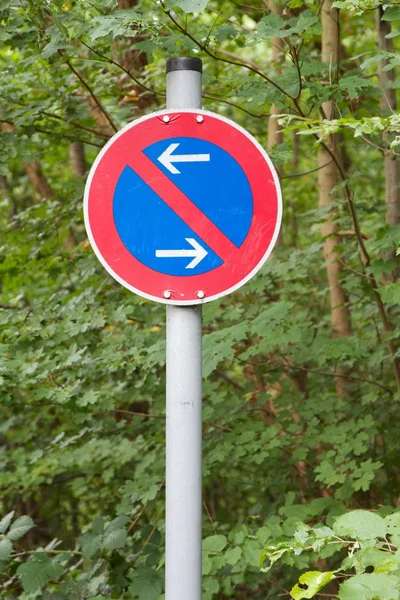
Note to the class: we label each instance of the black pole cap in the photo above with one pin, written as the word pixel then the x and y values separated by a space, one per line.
pixel 184 63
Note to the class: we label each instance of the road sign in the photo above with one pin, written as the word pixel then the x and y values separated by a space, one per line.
pixel 182 206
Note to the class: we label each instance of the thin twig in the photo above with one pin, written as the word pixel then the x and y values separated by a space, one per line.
pixel 297 368
pixel 47 552
pixel 257 116
pixel 77 125
pixel 247 6
pixel 353 270
pixel 245 65
pixel 221 427
pixel 9 307
pixel 139 414
pixel 209 517
pixel 66 136
pixel 385 151
pixel 126 71
pixel 348 232
pixel 132 525
pixel 145 543
pixel 93 95
pixel 306 172
pixel 229 379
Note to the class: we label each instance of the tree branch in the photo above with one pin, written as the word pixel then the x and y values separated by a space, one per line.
pixel 126 71
pixel 323 374
pixel 93 95
pixel 77 125
pixel 139 414
pixel 245 65
pixel 257 116
pixel 306 172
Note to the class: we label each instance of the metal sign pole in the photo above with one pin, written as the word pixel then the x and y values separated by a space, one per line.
pixel 184 421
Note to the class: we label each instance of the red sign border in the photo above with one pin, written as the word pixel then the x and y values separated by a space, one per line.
pixel 123 266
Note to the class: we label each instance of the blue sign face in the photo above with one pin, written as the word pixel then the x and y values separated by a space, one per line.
pixel 154 234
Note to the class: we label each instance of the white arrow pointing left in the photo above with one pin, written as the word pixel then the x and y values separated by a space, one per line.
pixel 197 252
pixel 167 158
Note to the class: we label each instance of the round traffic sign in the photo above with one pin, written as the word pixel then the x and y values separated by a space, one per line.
pixel 182 206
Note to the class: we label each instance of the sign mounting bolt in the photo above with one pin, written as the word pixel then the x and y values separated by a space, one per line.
pixel 165 119
pixel 199 118
pixel 167 294
pixel 200 294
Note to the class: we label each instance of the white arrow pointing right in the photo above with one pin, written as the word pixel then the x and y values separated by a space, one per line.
pixel 198 252
pixel 167 158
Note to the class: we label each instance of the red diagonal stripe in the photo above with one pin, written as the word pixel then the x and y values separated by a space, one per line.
pixel 183 206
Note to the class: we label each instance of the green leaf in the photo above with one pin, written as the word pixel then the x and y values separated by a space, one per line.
pixel 391 14
pixel 393 527
pixel 37 572
pixel 147 585
pixel 358 6
pixel 5 548
pixel 91 397
pixel 117 523
pixel 98 525
pixel 302 533
pixel 220 345
pixel 5 521
pixel 188 6
pixel 314 580
pixel 20 527
pixel 353 84
pixel 114 539
pixel 391 292
pixel 383 562
pixel 370 586
pixel 90 544
pixel 206 563
pixel 233 555
pixel 269 26
pixel 214 543
pixel 210 588
pixel 273 553
pixel 361 525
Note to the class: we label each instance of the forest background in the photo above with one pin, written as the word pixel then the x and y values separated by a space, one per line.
pixel 301 366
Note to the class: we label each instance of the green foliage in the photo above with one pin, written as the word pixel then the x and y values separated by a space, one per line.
pixel 368 561
pixel 82 360
pixel 147 585
pixel 19 528
pixel 360 127
pixel 10 531
pixel 311 583
pixel 391 292
pixel 37 572
pixel 361 525
pixel 110 537
pixel 188 6
pixel 356 6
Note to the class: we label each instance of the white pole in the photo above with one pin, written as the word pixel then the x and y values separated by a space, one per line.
pixel 184 422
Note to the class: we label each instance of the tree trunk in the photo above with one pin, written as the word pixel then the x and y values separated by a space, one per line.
pixel 292 199
pixel 328 179
pixel 77 159
pixel 137 60
pixel 33 171
pixel 38 180
pixel 275 135
pixel 389 105
pixel 4 187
